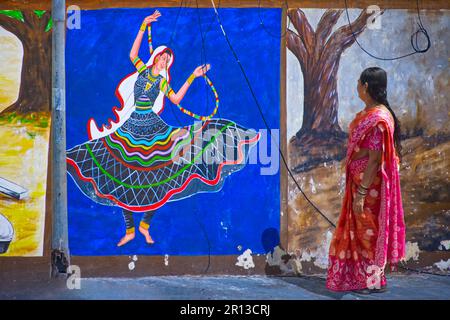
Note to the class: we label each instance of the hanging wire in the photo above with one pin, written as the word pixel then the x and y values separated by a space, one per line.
pixel 264 118
pixel 202 227
pixel 203 58
pixel 279 149
pixel 414 38
pixel 170 45
pixel 422 271
pixel 416 50
pixel 263 26
pixel 414 44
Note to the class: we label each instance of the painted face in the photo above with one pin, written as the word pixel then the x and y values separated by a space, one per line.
pixel 163 60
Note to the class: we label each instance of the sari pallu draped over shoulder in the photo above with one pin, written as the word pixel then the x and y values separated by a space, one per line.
pixel 348 268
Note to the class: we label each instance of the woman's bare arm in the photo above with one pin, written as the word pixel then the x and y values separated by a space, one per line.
pixel 136 45
pixel 372 167
pixel 137 42
pixel 368 176
pixel 176 98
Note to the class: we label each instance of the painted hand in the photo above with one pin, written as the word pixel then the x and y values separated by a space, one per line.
pixel 201 70
pixel 152 18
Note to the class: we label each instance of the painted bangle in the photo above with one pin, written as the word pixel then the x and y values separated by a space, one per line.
pixel 191 79
pixel 143 26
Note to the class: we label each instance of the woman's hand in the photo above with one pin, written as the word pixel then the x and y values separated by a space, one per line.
pixel 358 204
pixel 152 18
pixel 201 70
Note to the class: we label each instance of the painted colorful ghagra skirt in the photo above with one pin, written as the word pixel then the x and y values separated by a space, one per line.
pixel 146 162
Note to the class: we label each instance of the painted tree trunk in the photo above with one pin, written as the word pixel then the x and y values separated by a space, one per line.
pixel 319 52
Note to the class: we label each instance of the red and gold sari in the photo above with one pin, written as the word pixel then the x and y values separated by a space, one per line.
pixel 364 243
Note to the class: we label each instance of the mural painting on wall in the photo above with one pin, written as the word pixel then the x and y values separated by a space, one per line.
pixel 323 66
pixel 25 91
pixel 172 172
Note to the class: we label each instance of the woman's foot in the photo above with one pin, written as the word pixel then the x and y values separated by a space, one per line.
pixel 127 238
pixel 146 234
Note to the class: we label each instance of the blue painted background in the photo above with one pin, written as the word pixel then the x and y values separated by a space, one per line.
pixel 97 59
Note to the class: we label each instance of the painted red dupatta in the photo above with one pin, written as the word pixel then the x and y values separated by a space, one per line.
pixel 364 243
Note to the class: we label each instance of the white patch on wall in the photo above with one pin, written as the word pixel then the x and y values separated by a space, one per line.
pixel 245 260
pixel 443 265
pixel 320 255
pixel 132 264
pixel 313 185
pixel 298 266
pixel 275 259
pixel 225 228
pixel 306 256
pixel 166 260
pixel 321 260
pixel 445 244
pixel 412 251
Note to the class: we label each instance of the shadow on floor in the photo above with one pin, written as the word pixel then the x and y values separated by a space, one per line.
pixel 313 284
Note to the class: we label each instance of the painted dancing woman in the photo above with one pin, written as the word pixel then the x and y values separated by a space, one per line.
pixel 139 162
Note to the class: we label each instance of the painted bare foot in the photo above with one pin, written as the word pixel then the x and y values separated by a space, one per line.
pixel 127 238
pixel 146 234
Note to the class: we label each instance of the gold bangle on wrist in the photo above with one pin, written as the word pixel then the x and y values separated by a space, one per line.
pixel 143 26
pixel 361 193
pixel 191 78
pixel 364 187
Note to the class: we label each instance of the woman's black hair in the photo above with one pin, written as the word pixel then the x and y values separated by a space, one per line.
pixel 376 79
pixel 166 50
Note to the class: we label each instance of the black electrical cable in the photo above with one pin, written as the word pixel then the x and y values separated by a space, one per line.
pixel 422 29
pixel 176 22
pixel 212 21
pixel 424 272
pixel 261 22
pixel 282 156
pixel 203 58
pixel 170 44
pixel 264 119
pixel 414 38
pixel 202 62
pixel 179 122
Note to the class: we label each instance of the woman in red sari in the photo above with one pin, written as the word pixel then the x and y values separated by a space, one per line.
pixel 370 232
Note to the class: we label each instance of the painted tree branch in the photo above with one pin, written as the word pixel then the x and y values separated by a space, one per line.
pixel 346 35
pixel 325 25
pixel 12 25
pixel 45 19
pixel 29 18
pixel 296 45
pixel 304 29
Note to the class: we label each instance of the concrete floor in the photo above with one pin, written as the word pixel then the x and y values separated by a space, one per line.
pixel 401 286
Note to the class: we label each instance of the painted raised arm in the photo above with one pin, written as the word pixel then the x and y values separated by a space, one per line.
pixel 134 53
